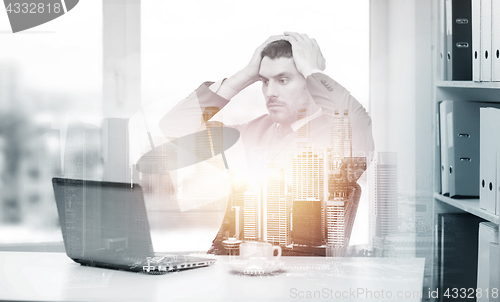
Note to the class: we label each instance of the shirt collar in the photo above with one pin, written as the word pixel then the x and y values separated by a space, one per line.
pixel 301 122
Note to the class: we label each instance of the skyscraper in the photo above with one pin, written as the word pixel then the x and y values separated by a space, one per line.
pixel 208 143
pixel 335 221
pixel 276 208
pixel 251 215
pixel 384 199
pixel 307 224
pixel 341 138
pixel 308 173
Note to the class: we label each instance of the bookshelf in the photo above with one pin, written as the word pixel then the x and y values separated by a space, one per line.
pixel 467 205
pixel 467 84
pixel 460 91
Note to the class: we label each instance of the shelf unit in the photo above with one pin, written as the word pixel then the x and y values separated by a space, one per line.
pixel 456 91
pixel 467 205
pixel 467 84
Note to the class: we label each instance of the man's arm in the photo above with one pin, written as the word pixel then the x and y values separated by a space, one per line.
pixel 186 117
pixel 330 95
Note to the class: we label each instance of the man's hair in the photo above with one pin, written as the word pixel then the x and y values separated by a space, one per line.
pixel 277 49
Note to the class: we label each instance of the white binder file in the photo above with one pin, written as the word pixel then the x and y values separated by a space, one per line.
pixel 444 148
pixel 486 40
pixel 462 123
pixel 437 151
pixel 487 165
pixel 495 41
pixel 488 232
pixel 476 40
pixel 497 210
pixel 494 271
pixel 463 154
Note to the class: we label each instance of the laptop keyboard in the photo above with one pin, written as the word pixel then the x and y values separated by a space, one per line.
pixel 163 264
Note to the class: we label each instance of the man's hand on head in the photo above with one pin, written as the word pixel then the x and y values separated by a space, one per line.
pixel 306 53
pixel 250 73
pixel 252 69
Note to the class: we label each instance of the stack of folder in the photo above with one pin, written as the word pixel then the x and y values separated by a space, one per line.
pixel 487 267
pixel 457 252
pixel 461 149
pixel 469 40
pixel 489 149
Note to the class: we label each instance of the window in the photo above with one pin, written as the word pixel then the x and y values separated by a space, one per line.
pixel 47 74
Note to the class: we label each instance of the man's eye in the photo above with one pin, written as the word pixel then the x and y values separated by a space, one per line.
pixel 264 81
pixel 283 81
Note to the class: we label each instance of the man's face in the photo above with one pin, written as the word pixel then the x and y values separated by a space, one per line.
pixel 284 88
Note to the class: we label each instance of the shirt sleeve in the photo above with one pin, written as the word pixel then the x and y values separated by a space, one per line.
pixel 187 116
pixel 332 97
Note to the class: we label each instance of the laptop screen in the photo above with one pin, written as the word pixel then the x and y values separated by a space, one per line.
pixel 102 221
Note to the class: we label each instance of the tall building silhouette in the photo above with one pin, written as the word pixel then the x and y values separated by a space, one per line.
pixel 341 138
pixel 384 199
pixel 308 172
pixel 237 222
pixel 336 222
pixel 207 143
pixel 251 215
pixel 307 224
pixel 343 192
pixel 276 208
pixel 232 225
pixel 341 148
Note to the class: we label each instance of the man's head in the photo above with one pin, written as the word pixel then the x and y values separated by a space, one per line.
pixel 284 87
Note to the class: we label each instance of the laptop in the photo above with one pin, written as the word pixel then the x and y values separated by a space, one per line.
pixel 105 224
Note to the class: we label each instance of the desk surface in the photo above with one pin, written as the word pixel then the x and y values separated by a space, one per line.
pixel 55 277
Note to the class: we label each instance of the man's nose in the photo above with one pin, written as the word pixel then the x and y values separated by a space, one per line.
pixel 271 90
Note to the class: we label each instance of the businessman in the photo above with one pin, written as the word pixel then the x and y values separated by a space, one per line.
pixel 301 100
pixel 297 92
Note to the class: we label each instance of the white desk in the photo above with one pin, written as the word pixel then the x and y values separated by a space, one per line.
pixel 55 277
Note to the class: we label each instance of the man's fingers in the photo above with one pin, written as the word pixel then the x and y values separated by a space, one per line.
pixel 290 39
pixel 302 38
pixel 306 38
pixel 297 36
pixel 306 51
pixel 293 41
pixel 321 59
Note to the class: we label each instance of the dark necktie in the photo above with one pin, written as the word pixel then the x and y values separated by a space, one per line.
pixel 282 131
